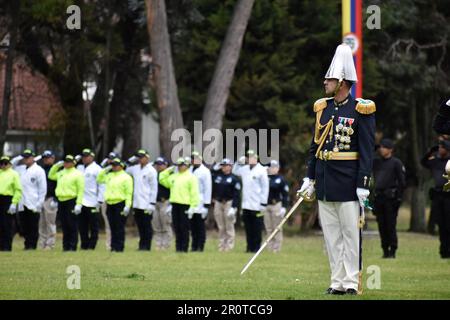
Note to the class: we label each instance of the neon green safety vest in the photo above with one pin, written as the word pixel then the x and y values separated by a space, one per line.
pixel 118 186
pixel 183 187
pixel 10 185
pixel 69 183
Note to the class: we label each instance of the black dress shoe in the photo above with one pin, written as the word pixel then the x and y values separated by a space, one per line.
pixel 334 291
pixel 351 292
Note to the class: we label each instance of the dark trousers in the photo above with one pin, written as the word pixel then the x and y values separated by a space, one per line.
pixel 29 221
pixel 253 229
pixel 117 224
pixel 88 224
pixel 181 226
pixel 441 208
pixel 6 224
pixel 144 225
pixel 198 232
pixel 69 224
pixel 386 211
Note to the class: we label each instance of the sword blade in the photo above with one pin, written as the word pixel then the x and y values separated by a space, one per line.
pixel 277 229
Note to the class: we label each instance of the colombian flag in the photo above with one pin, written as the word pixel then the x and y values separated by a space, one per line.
pixel 352 35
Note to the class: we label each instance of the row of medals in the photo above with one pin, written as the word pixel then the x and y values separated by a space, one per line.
pixel 342 136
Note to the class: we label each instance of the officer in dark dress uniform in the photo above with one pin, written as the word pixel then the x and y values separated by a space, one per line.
pixel 339 169
pixel 389 175
pixel 226 196
pixel 441 123
pixel 440 205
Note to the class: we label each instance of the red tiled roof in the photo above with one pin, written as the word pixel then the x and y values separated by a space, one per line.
pixel 33 100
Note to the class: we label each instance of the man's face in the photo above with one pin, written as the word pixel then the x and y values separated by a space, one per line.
pixel 3 165
pixel 182 167
pixel 116 167
pixel 443 153
pixel 274 170
pixel 143 160
pixel 87 159
pixel 49 161
pixel 28 161
pixel 384 152
pixel 252 160
pixel 226 169
pixel 330 86
pixel 196 161
pixel 68 164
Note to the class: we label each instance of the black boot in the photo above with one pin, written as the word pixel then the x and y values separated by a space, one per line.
pixel 392 253
pixel 386 253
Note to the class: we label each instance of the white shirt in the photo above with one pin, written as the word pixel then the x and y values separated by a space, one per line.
pixel 92 190
pixel 204 185
pixel 145 189
pixel 255 186
pixel 34 186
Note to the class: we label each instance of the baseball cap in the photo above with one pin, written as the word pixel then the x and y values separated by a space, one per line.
pixel 27 153
pixel 117 162
pixel 274 163
pixel 88 152
pixel 142 153
pixel 112 155
pixel 69 158
pixel 226 162
pixel 251 153
pixel 5 160
pixel 47 154
pixel 196 155
pixel 183 161
pixel 161 160
pixel 387 143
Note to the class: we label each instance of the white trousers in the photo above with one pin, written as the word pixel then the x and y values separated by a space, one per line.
pixel 340 225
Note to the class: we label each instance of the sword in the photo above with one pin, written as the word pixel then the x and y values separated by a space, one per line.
pixel 277 229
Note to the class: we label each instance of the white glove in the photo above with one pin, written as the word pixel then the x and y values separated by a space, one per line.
pixel 363 195
pixel 108 168
pixel 307 187
pixel 133 159
pixel 77 158
pixel 190 213
pixel 39 157
pixel 54 204
pixel 126 211
pixel 204 212
pixel 77 209
pixel 241 161
pixel 12 209
pixel 59 163
pixel 231 213
pixel 150 209
pixel 169 210
pixel 104 162
pixel 15 161
pixel 282 212
pixel 447 167
pixel 217 166
pixel 448 102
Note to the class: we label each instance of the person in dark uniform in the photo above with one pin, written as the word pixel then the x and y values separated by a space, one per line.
pixel 162 219
pixel 226 196
pixel 276 205
pixel 389 176
pixel 339 168
pixel 441 123
pixel 440 205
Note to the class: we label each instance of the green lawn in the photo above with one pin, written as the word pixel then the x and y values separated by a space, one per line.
pixel 300 271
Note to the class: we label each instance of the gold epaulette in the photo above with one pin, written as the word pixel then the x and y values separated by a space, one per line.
pixel 365 106
pixel 320 104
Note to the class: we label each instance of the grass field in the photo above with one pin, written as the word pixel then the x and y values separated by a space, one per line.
pixel 300 271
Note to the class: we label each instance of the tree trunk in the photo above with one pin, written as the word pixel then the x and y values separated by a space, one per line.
pixel 219 88
pixel 417 222
pixel 14 7
pixel 163 74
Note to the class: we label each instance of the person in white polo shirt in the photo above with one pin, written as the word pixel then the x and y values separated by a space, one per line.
pixel 145 189
pixel 34 189
pixel 88 221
